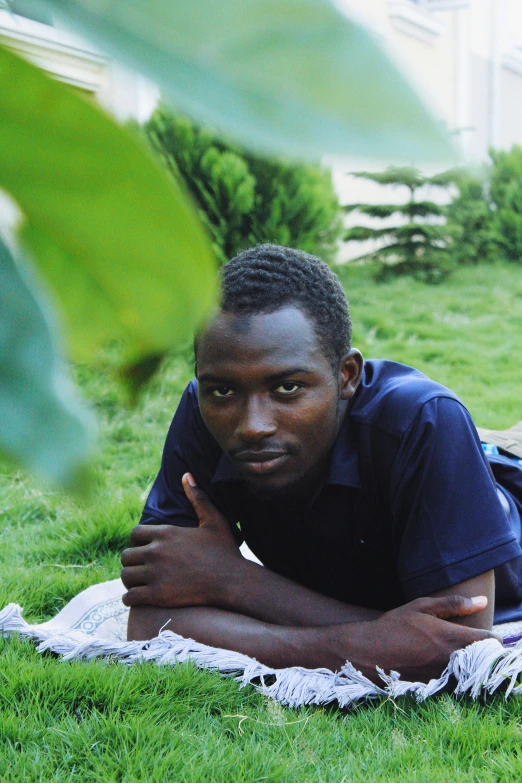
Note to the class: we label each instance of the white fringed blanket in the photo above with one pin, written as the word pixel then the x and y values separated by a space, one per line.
pixel 94 625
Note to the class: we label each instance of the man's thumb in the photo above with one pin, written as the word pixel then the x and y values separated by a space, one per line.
pixel 206 512
pixel 445 607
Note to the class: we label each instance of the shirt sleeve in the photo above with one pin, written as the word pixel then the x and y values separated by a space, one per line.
pixel 189 447
pixel 447 516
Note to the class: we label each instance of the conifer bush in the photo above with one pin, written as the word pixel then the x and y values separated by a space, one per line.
pixel 505 191
pixel 481 223
pixel 486 216
pixel 470 219
pixel 245 198
pixel 418 242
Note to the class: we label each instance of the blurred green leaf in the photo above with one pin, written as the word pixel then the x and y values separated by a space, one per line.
pixel 288 76
pixel 42 425
pixel 117 240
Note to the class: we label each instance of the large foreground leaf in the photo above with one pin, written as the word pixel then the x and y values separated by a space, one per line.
pixel 42 424
pixel 291 76
pixel 116 239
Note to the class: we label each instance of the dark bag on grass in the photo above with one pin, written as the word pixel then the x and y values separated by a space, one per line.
pixel 509 440
pixel 507 471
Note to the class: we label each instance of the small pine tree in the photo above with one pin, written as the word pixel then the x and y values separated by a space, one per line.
pixel 418 246
pixel 245 199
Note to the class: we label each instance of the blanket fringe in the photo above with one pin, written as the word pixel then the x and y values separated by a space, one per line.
pixel 478 669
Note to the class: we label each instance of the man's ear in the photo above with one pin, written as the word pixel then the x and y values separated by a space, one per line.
pixel 350 372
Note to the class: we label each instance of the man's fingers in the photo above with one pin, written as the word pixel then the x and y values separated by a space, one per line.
pixel 206 511
pixel 134 576
pixel 449 606
pixel 199 500
pixel 464 636
pixel 133 556
pixel 479 634
pixel 137 596
pixel 144 534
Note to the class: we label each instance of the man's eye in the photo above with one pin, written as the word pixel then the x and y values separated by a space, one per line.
pixel 222 391
pixel 287 388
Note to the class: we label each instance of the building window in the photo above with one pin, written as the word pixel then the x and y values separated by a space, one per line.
pixel 442 5
pixel 413 18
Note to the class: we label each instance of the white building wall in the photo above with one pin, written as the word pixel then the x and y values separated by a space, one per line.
pixel 69 58
pixel 77 62
pixel 466 59
pixel 510 125
pixel 465 56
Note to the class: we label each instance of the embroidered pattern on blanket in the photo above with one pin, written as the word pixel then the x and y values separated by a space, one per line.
pixel 94 625
pixel 95 617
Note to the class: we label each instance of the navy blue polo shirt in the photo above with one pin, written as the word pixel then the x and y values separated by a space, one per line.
pixel 409 505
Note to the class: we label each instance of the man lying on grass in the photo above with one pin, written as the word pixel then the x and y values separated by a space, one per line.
pixel 361 486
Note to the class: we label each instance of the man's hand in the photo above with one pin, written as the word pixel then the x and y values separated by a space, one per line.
pixel 273 619
pixel 414 639
pixel 174 566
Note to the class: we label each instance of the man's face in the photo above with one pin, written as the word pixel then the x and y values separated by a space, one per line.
pixel 269 396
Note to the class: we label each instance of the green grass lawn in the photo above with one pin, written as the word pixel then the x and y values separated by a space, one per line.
pixel 82 722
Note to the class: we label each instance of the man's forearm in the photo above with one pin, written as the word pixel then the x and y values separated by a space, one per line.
pixel 274 645
pixel 178 567
pixel 412 639
pixel 257 592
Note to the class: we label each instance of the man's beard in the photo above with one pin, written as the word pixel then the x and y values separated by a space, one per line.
pixel 300 488
pixel 303 486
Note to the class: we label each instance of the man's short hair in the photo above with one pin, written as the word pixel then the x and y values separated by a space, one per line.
pixel 267 277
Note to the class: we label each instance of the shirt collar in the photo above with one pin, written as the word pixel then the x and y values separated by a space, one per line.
pixel 344 464
pixel 225 471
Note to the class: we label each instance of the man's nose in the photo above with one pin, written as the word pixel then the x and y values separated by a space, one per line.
pixel 256 421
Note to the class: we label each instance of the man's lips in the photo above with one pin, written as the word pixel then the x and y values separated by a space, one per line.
pixel 260 462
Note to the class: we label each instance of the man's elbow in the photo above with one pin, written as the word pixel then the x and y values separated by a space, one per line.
pixel 145 622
